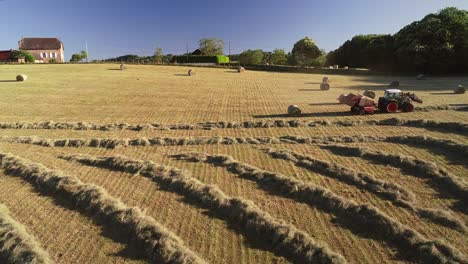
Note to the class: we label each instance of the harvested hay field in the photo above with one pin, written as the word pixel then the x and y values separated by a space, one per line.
pixel 149 165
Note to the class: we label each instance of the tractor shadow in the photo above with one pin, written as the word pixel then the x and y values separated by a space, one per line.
pixel 319 104
pixel 316 114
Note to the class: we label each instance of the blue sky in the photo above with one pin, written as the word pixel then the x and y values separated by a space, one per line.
pixel 118 27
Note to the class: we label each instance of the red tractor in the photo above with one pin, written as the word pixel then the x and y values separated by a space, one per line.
pixel 395 100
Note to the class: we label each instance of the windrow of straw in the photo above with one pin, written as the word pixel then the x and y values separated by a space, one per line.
pixel 284 237
pixel 452 184
pixel 367 216
pixel 17 246
pixel 160 245
pixel 430 142
pixel 455 127
pixel 172 141
pixel 398 195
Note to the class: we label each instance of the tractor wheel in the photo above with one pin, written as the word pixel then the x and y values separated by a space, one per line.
pixel 392 107
pixel 408 107
pixel 362 111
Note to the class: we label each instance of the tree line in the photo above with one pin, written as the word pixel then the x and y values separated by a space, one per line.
pixel 436 44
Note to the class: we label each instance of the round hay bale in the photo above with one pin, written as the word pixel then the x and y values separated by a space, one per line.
pixel 370 94
pixel 420 77
pixel 192 72
pixel 394 84
pixel 325 79
pixel 123 67
pixel 240 69
pixel 294 110
pixel 324 86
pixel 21 78
pixel 460 89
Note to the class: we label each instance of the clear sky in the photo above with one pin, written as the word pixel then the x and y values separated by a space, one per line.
pixel 118 27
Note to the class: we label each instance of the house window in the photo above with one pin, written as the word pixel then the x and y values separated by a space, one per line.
pixel 53 55
pixel 43 55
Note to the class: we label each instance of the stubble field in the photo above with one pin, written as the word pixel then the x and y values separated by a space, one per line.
pixel 148 164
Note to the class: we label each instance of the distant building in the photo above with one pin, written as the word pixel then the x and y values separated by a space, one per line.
pixel 43 49
pixel 5 55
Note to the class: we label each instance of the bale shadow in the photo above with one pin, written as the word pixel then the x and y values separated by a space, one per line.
pixel 231 71
pixel 442 93
pixel 8 81
pixel 114 69
pixel 312 83
pixel 318 114
pixel 308 90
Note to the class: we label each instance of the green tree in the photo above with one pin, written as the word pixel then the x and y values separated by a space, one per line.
pixel 76 58
pixel 437 43
pixel 278 57
pixel 320 60
pixel 363 51
pixel 29 58
pixel 211 46
pixel 305 51
pixel 251 57
pixel 21 54
pixel 84 55
pixel 158 55
pixel 18 54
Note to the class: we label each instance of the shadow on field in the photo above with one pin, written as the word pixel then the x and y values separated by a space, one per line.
pixel 181 74
pixel 432 83
pixel 338 219
pixel 312 83
pixel 442 93
pixel 460 107
pixel 252 240
pixel 131 251
pixel 316 114
pixel 408 172
pixel 369 87
pixel 309 90
pixel 232 71
pixel 114 69
pixel 325 104
pixel 7 81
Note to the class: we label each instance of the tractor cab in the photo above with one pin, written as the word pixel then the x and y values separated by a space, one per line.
pixel 392 94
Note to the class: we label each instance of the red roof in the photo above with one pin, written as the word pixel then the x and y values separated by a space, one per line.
pixel 40 44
